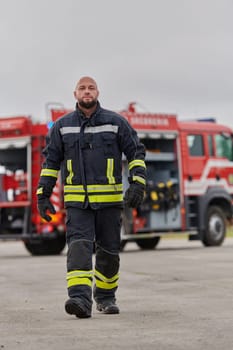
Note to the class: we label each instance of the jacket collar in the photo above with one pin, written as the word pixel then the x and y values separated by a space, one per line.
pixel 82 115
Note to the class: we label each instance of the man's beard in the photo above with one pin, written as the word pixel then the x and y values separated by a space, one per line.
pixel 88 105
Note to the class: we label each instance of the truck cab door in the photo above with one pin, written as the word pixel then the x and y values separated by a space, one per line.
pixel 196 156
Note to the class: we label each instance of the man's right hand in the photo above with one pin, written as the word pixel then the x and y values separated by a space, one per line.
pixel 43 205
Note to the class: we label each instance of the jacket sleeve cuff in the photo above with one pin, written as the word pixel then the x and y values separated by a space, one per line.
pixel 137 179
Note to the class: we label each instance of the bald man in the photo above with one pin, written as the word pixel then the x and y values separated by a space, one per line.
pixel 87 145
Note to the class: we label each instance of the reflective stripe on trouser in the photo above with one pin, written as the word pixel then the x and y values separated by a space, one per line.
pixel 79 271
pixel 106 275
pixel 83 226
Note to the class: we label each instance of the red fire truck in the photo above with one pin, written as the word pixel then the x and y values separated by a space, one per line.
pixel 189 183
pixel 21 144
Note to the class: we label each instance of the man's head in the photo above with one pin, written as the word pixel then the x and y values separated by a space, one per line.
pixel 86 92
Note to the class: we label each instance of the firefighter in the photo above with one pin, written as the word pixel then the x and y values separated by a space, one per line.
pixel 87 145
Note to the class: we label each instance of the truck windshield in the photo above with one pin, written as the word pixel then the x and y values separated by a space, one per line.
pixel 224 146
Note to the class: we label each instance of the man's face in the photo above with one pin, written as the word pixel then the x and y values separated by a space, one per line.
pixel 86 92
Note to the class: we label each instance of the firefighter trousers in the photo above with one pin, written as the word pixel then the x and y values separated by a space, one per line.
pixel 84 226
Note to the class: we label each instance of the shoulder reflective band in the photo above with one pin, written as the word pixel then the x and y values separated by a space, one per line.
pixel 101 128
pixel 70 130
pixel 91 129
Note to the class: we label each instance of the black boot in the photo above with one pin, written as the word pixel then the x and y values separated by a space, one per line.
pixel 108 307
pixel 74 306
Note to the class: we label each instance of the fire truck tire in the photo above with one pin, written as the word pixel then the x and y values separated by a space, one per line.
pixel 148 243
pixel 215 231
pixel 46 246
pixel 123 244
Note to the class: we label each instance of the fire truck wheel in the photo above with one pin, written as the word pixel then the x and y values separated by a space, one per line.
pixel 148 243
pixel 215 227
pixel 46 246
pixel 123 244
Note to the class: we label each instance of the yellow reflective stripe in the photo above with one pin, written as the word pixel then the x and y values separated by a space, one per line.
pixel 111 198
pixel 136 162
pixel 74 188
pixel 105 188
pixel 94 188
pixel 70 170
pixel 77 277
pixel 39 190
pixel 74 198
pixel 105 198
pixel 49 172
pixel 106 279
pixel 105 285
pixel 110 169
pixel 78 281
pixel 78 273
pixel 139 179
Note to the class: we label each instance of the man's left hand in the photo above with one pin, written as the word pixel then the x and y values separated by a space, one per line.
pixel 134 195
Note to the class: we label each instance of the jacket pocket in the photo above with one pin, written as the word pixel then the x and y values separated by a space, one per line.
pixel 109 141
pixel 70 144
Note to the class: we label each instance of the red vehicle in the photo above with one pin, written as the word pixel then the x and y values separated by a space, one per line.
pixel 189 188
pixel 21 144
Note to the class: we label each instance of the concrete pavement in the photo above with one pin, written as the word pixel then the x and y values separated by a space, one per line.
pixel 178 296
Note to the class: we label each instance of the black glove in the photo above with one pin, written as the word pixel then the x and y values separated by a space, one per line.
pixel 43 205
pixel 134 195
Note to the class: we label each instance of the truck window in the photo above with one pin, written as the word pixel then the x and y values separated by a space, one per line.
pixel 223 146
pixel 195 145
pixel 210 145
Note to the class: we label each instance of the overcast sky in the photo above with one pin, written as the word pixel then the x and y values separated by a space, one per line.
pixel 170 56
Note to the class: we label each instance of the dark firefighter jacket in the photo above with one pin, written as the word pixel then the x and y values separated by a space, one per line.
pixel 89 153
